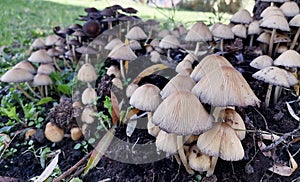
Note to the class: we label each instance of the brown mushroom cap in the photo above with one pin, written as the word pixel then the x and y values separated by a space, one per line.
pixel 242 16
pixel 166 142
pixel 261 62
pixel 76 133
pixel 276 76
pixel 41 79
pixel 289 58
pixel 25 65
pixel 38 43
pixel 16 75
pixel 225 87
pixel 221 141
pixel 87 73
pixel 146 97
pixel 182 113
pixel 53 132
pixel 46 69
pixel 51 40
pixel 40 56
pixel 199 33
pixel 136 33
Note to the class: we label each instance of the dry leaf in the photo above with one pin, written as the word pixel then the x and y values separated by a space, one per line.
pixel 269 136
pixel 130 127
pixel 115 108
pixel 131 113
pixel 262 146
pixel 148 71
pixel 285 170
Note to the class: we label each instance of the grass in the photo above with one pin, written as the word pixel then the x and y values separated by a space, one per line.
pixel 23 20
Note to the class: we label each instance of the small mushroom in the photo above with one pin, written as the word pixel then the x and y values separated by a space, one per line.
pixel 53 132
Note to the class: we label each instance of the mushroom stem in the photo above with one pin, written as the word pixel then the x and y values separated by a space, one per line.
pixel 295 39
pixel 268 95
pixel 213 164
pixel 122 70
pixel 74 54
pixel 221 45
pixel 169 54
pixel 46 91
pixel 24 92
pixel 56 65
pixel 197 48
pixel 271 42
pixel 177 159
pixel 32 91
pixel 251 40
pixel 276 48
pixel 277 93
pixel 182 155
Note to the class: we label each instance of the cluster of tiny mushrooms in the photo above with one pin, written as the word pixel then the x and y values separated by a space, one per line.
pixel 176 116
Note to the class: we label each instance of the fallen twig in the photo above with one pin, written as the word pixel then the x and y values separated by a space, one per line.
pixel 73 168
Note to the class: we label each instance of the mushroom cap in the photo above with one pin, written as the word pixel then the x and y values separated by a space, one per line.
pixel 276 76
pixel 152 129
pixel 177 83
pixel 46 69
pixel 25 65
pixel 146 97
pixel 197 160
pixel 163 33
pixel 225 87
pixel 76 133
pixel 239 31
pixel 113 70
pixel 40 56
pixel 295 21
pixel 166 142
pixel 113 43
pixel 155 57
pixel 117 83
pixel 281 49
pixel 290 8
pixel 87 73
pixel 271 10
pixel 261 62
pixel 38 43
pixel 89 96
pixel 184 67
pixel 87 115
pixel 234 120
pixel 16 75
pixel 169 42
pixel 253 28
pixel 242 16
pixel 208 64
pixel 199 33
pixel 136 33
pixel 289 58
pixel 122 52
pixel 135 45
pixel 41 79
pixel 85 49
pixel 51 40
pixel 223 31
pixel 183 114
pixel 190 57
pixel 221 141
pixel 130 89
pixel 264 38
pixel 275 22
pixel 279 38
pixel 53 132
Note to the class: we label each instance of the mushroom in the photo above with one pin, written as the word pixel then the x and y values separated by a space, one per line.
pixel 239 30
pixel 295 22
pixel 89 96
pixel 87 74
pixel 42 80
pixel 275 76
pixel 169 42
pixel 198 33
pixel 253 29
pixel 261 62
pixel 222 32
pixel 76 133
pixel 242 16
pixel 136 33
pixel 274 22
pixel 113 43
pixel 198 160
pixel 166 142
pixel 53 132
pixel 290 9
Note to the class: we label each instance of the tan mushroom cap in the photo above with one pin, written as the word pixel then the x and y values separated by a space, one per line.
pixel 261 62
pixel 87 73
pixel 122 52
pixel 290 8
pixel 221 141
pixel 155 57
pixel 25 65
pixel 136 33
pixel 51 40
pixel 166 142
pixel 46 69
pixel 89 96
pixel 253 28
pixel 184 67
pixel 208 64
pixel 135 45
pixel 152 129
pixel 40 56
pixel 146 97
pixel 225 87
pixel 130 89
pixel 199 33
pixel 239 31
pixel 76 133
pixel 223 31
pixel 197 160
pixel 41 79
pixel 87 115
pixel 295 21
pixel 179 82
pixel 264 38
pixel 190 57
pixel 38 43
pixel 169 42
pixel 182 113
pixel 16 75
pixel 275 22
pixel 281 49
pixel 53 132
pixel 243 16
pixel 117 83
pixel 276 76
pixel 271 10
pixel 289 58
pixel 113 70
pixel 234 120
pixel 163 33
pixel 280 38
pixel 113 43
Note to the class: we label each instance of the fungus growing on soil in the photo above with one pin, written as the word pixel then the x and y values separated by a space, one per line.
pixel 261 62
pixel 53 132
pixel 222 32
pixel 169 42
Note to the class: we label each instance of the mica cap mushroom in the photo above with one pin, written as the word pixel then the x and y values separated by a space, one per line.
pixel 53 132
